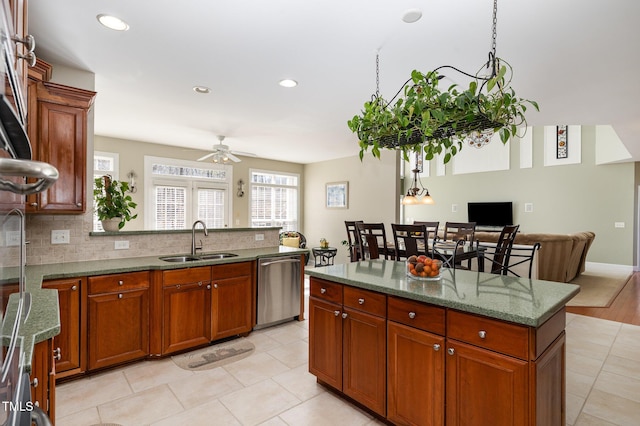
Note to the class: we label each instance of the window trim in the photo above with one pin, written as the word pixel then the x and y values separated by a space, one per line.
pixel 298 186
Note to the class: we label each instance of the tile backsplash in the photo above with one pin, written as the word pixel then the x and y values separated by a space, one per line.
pixel 83 247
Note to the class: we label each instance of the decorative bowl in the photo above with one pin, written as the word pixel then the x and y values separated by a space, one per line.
pixel 423 268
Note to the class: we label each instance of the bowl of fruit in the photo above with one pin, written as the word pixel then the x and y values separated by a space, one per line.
pixel 423 268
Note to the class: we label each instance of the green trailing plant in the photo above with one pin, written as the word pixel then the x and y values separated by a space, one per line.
pixel 112 200
pixel 436 120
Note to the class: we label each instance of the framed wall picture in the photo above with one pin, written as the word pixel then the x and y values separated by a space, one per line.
pixel 562 141
pixel 337 195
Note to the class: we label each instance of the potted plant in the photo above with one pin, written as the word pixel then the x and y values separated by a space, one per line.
pixel 113 204
pixel 436 120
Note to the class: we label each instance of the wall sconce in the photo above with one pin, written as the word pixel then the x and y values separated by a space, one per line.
pixel 240 192
pixel 132 181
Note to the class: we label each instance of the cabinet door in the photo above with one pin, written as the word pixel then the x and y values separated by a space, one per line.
pixel 231 306
pixel 118 327
pixel 68 341
pixel 43 380
pixel 187 316
pixel 484 387
pixel 364 371
pixel 325 341
pixel 415 376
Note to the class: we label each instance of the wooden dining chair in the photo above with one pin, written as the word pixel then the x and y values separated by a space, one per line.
pixel 353 239
pixel 373 241
pixel 432 227
pixel 410 240
pixel 500 254
pixel 459 233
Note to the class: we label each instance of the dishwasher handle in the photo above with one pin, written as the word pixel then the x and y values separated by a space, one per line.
pixel 273 262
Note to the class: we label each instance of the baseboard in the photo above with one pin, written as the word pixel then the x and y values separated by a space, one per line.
pixel 611 267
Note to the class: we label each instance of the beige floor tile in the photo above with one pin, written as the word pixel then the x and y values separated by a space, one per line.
pixel 612 408
pixel 325 409
pixel 275 421
pixel 86 417
pixel 622 386
pixel 581 364
pixel 90 392
pixel 212 413
pixel 300 382
pixel 260 402
pixel 591 325
pixel 623 366
pixel 588 347
pixel 574 405
pixel 292 354
pixel 579 384
pixel 256 368
pixel 587 420
pixel 627 344
pixel 262 341
pixel 148 374
pixel 204 386
pixel 141 408
pixel 288 333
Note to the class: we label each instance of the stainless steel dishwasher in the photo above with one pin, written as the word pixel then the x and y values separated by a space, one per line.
pixel 279 286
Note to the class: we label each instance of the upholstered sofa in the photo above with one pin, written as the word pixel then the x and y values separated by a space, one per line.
pixel 561 257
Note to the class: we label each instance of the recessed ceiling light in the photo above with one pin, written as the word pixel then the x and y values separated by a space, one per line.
pixel 412 15
pixel 112 22
pixel 288 83
pixel 201 89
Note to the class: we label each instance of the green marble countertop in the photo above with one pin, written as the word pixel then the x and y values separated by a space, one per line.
pixel 519 300
pixel 43 320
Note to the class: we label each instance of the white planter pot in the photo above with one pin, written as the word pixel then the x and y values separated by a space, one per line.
pixel 111 225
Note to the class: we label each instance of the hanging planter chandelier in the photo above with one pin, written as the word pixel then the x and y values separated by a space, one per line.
pixel 440 120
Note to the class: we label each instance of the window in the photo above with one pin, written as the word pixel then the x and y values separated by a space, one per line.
pixel 104 163
pixel 274 199
pixel 180 192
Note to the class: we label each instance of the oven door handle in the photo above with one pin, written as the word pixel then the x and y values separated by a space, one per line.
pixel 45 174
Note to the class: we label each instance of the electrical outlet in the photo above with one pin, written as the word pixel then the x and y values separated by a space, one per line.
pixel 60 236
pixel 619 224
pixel 454 208
pixel 121 245
pixel 259 237
pixel 12 238
pixel 528 207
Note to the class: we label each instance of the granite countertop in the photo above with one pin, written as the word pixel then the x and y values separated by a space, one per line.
pixel 43 320
pixel 519 300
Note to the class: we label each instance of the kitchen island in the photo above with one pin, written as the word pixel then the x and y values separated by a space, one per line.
pixel 469 348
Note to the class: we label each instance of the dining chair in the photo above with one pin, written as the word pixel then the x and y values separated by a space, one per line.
pixel 500 254
pixel 432 227
pixel 373 241
pixel 353 239
pixel 410 240
pixel 459 234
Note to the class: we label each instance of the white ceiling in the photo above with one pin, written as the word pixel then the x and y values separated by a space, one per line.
pixel 578 58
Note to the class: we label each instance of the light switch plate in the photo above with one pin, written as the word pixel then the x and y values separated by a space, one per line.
pixel 619 224
pixel 121 245
pixel 454 208
pixel 528 207
pixel 60 236
pixel 259 237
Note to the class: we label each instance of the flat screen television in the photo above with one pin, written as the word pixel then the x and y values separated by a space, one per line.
pixel 491 213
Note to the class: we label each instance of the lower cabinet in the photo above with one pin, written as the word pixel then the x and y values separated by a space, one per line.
pixel 72 335
pixel 43 377
pixel 232 299
pixel 118 320
pixel 186 295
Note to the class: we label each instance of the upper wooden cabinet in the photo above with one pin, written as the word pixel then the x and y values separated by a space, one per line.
pixel 57 129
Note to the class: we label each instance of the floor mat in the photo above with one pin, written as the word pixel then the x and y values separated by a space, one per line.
pixel 215 356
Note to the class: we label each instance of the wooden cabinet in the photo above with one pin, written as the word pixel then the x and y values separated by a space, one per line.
pixel 43 377
pixel 118 318
pixel 416 363
pixel 232 299
pixel 343 330
pixel 71 341
pixel 187 308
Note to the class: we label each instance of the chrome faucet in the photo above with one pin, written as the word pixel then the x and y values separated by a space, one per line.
pixel 193 236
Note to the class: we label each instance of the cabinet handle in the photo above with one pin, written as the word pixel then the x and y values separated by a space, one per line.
pixel 37 403
pixel 178 285
pixel 482 334
pixel 35 382
pixel 30 57
pixel 33 204
pixel 361 301
pixel 28 41
pixel 412 315
pixel 79 204
pixel 199 283
pixel 344 315
pixel 74 287
pixel 451 351
pixel 57 354
pixel 323 290
pixel 120 296
pixel 215 286
pixel 120 282
pixel 209 287
pixel 436 347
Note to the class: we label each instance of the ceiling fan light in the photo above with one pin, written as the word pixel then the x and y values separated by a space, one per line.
pixel 112 22
pixel 409 200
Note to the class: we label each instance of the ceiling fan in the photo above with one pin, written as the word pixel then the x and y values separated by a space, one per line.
pixel 222 154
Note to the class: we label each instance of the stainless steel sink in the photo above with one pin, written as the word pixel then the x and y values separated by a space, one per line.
pixel 179 258
pixel 212 256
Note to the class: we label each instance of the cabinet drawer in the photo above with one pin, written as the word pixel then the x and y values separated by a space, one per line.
pixel 185 276
pixel 118 282
pixel 503 337
pixel 325 290
pixel 416 314
pixel 232 270
pixel 365 300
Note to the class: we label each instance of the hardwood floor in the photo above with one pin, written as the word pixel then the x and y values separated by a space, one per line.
pixel 624 308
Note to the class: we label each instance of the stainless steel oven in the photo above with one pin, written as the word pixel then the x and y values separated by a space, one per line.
pixel 15 168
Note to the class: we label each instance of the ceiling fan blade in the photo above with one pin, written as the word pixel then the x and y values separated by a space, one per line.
pixel 206 156
pixel 233 157
pixel 244 154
